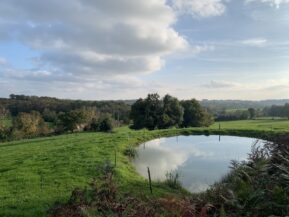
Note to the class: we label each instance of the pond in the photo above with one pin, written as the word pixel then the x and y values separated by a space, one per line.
pixel 199 160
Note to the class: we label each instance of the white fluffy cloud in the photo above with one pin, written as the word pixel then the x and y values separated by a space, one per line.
pixel 200 8
pixel 93 37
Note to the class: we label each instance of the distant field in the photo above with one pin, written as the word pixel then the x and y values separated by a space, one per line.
pixel 263 124
pixel 36 173
pixel 271 118
pixel 234 110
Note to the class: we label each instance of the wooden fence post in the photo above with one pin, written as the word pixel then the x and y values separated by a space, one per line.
pixel 150 181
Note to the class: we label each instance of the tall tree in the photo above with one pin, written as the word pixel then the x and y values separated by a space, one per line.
pixel 138 114
pixel 194 114
pixel 69 121
pixel 172 112
pixel 252 113
pixel 147 112
pixel 153 112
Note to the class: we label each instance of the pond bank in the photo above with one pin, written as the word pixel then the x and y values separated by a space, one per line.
pixel 38 172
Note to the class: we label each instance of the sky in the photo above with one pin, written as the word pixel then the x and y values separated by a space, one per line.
pixel 125 49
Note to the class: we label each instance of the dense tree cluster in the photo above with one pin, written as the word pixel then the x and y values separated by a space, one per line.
pixel 252 113
pixel 49 107
pixel 278 111
pixel 238 114
pixel 195 115
pixel 70 121
pixel 31 116
pixel 156 113
pixel 29 125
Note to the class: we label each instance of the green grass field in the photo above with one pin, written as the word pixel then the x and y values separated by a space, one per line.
pixel 34 174
pixel 230 111
pixel 278 125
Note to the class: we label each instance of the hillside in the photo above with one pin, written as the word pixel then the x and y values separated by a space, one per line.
pixel 241 104
pixel 39 172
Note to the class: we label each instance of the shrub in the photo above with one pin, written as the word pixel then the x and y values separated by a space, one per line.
pixel 105 124
pixel 5 133
pixel 94 125
pixel 172 180
pixel 107 168
pixel 257 187
pixel 102 199
pixel 130 152
pixel 27 125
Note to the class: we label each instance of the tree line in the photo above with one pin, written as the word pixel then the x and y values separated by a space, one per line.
pixel 278 111
pixel 154 112
pixel 49 107
pixel 239 114
pixel 32 124
pixel 33 116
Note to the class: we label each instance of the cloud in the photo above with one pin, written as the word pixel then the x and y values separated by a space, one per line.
pixel 272 84
pixel 65 85
pixel 3 61
pixel 255 42
pixel 220 84
pixel 201 48
pixel 93 38
pixel 274 3
pixel 200 8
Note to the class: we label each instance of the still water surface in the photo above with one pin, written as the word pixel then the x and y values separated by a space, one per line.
pixel 200 160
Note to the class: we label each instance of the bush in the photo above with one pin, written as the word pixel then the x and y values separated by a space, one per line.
pixel 94 125
pixel 257 187
pixel 107 168
pixel 102 199
pixel 27 125
pixel 130 152
pixel 105 124
pixel 5 133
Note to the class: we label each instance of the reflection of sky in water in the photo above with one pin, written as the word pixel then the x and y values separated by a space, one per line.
pixel 200 160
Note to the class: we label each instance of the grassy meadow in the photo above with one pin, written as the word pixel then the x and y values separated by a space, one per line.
pixel 36 173
pixel 275 125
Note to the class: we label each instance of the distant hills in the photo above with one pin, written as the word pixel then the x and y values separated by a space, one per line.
pixel 234 104
pixel 241 104
pixel 213 104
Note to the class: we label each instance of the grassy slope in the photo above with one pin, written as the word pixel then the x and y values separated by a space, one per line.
pixel 36 173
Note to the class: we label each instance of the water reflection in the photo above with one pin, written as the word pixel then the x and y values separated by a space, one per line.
pixel 200 160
